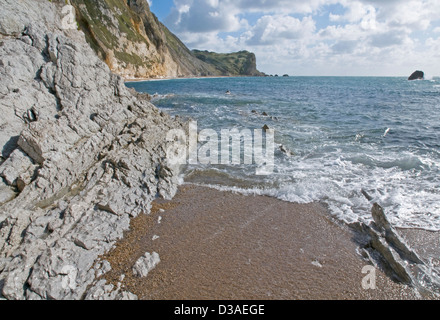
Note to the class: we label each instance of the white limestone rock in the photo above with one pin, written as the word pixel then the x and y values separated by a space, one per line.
pixel 6 194
pixel 80 155
pixel 145 264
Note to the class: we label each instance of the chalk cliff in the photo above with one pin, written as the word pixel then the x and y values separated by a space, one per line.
pixel 135 44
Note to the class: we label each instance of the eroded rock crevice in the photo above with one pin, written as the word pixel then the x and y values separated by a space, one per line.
pixel 82 160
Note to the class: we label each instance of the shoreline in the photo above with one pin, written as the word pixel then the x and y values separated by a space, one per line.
pixel 222 245
pixel 83 157
pixel 130 80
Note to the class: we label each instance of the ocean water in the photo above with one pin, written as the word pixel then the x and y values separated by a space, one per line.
pixel 346 136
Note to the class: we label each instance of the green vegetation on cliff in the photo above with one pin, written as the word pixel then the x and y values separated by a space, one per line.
pixel 104 22
pixel 135 44
pixel 231 64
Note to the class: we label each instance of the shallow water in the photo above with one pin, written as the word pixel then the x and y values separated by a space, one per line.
pixel 380 135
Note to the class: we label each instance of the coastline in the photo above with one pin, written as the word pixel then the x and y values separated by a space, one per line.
pixel 129 80
pixel 221 245
pixel 83 157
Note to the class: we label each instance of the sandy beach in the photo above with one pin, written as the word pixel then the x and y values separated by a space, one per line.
pixel 128 80
pixel 220 245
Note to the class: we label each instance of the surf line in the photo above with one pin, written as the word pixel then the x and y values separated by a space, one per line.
pixel 230 147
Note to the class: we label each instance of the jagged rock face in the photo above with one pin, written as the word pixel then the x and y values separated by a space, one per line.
pixel 80 156
pixel 132 41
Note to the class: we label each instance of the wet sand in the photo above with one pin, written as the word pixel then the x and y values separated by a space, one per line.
pixel 219 245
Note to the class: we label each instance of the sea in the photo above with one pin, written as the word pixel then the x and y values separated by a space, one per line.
pixel 346 142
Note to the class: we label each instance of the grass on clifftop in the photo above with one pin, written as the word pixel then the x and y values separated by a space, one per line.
pixel 230 64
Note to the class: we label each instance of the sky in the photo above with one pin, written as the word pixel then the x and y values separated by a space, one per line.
pixel 315 37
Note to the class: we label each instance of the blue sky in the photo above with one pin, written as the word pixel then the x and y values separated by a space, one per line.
pixel 315 37
pixel 162 8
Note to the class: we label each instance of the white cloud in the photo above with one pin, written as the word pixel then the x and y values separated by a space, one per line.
pixel 275 29
pixel 279 6
pixel 202 16
pixel 367 37
pixel 356 11
pixel 388 39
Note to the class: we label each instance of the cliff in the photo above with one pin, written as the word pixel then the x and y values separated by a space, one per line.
pixel 80 156
pixel 231 64
pixel 135 44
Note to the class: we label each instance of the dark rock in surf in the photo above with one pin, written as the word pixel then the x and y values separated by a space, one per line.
pixel 286 151
pixel 418 75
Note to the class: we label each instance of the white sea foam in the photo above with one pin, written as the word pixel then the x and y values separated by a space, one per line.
pixel 346 135
pixel 398 185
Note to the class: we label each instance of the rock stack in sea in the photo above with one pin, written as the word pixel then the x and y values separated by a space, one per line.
pixel 80 156
pixel 417 75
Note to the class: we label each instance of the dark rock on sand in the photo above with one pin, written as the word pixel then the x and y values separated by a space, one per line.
pixel 387 250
